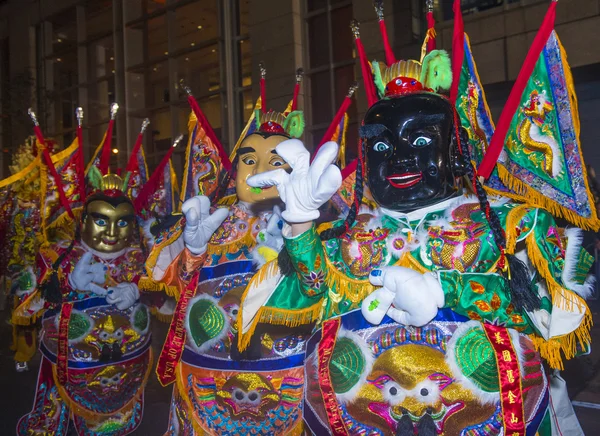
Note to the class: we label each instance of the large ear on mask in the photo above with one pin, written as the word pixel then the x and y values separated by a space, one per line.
pixel 458 160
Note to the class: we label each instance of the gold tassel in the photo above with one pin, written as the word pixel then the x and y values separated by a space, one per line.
pixel 354 290
pixel 273 315
pixel 149 285
pixel 537 199
pixel 513 219
pixel 232 247
pixel 566 300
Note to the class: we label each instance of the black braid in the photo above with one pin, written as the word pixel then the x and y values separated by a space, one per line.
pixel 51 288
pixel 335 232
pixel 523 295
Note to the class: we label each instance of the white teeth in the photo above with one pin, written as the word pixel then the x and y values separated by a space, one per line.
pixel 403 178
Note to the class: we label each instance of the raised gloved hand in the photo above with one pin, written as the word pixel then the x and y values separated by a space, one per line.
pixel 123 295
pixel 86 276
pixel 308 186
pixel 200 224
pixel 406 296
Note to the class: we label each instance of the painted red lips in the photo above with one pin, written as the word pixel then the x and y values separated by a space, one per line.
pixel 405 180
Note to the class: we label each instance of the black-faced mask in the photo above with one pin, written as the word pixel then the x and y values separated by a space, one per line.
pixel 411 159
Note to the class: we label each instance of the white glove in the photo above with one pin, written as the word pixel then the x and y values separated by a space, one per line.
pixel 308 186
pixel 123 295
pixel 200 224
pixel 87 275
pixel 406 296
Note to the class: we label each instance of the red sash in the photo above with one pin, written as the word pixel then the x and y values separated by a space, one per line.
pixel 175 342
pixel 511 392
pixel 62 355
pixel 326 345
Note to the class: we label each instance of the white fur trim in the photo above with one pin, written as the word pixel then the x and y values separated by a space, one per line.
pixel 354 249
pixel 257 258
pixel 208 344
pixel 349 396
pixel 83 314
pixel 574 237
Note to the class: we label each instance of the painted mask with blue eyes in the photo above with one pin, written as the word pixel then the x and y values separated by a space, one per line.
pixel 108 224
pixel 411 161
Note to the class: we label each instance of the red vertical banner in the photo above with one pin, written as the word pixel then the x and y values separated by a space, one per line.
pixel 509 378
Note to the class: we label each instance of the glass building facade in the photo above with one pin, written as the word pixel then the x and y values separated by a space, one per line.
pixel 137 53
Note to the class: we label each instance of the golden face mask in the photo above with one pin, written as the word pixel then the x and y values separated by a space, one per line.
pixel 257 155
pixel 106 228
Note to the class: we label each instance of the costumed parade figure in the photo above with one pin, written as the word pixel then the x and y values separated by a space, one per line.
pixel 23 238
pixel 435 309
pixel 95 340
pixel 208 259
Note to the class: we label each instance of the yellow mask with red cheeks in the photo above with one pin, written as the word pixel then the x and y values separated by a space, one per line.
pixel 107 228
pixel 256 155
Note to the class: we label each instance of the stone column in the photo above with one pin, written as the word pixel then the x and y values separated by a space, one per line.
pixel 275 29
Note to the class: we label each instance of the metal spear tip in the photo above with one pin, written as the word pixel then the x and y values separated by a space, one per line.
pixel 355 27
pixel 33 117
pixel 79 115
pixel 113 110
pixel 352 89
pixel 145 124
pixel 263 70
pixel 378 5
pixel 299 74
pixel 429 5
pixel 186 88
pixel 177 140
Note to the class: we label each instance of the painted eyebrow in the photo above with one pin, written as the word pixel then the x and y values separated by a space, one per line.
pixel 274 152
pixel 370 130
pixel 427 119
pixel 245 150
pixel 98 216
pixel 128 217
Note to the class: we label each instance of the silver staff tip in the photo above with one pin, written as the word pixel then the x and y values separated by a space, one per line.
pixel 113 110
pixel 177 140
pixel 263 70
pixel 186 88
pixel 355 27
pixel 33 117
pixel 378 5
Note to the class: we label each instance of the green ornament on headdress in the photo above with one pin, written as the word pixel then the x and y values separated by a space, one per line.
pixel 294 124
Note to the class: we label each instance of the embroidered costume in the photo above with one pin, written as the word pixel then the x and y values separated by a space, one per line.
pixel 433 312
pixel 95 340
pixel 206 260
pixel 23 238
